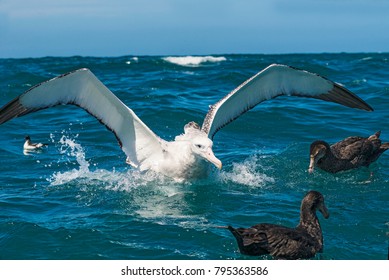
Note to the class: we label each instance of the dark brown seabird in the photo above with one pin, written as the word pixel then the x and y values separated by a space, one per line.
pixel 301 242
pixel 350 153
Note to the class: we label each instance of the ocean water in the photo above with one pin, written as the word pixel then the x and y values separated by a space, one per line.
pixel 78 199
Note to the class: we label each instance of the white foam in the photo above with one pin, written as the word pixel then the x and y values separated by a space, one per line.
pixel 117 181
pixel 110 180
pixel 193 60
pixel 247 173
pixel 134 59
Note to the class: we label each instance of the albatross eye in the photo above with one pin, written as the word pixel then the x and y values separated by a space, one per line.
pixel 199 146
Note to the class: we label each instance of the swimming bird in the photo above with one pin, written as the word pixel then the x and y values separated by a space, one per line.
pixel 301 242
pixel 28 146
pixel 189 155
pixel 350 153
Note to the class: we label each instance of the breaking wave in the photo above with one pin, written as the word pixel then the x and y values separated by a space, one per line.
pixel 193 60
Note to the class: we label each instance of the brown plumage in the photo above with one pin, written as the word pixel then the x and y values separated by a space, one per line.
pixel 302 242
pixel 350 153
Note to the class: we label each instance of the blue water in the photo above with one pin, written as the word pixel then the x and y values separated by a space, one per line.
pixel 78 199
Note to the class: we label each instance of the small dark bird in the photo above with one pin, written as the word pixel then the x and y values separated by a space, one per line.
pixel 350 153
pixel 28 146
pixel 301 242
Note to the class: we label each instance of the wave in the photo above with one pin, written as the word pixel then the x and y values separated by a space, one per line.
pixel 134 59
pixel 193 60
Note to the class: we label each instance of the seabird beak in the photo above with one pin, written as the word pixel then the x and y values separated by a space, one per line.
pixel 311 164
pixel 212 159
pixel 323 209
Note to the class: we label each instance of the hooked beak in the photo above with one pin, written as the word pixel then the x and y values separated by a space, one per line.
pixel 323 209
pixel 311 164
pixel 212 159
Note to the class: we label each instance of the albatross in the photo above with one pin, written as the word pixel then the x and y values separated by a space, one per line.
pixel 189 155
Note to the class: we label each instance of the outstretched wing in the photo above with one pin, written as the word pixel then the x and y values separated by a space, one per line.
pixel 82 88
pixel 273 81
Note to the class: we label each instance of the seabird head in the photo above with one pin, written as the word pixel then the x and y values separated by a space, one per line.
pixel 317 151
pixel 27 138
pixel 201 145
pixel 314 200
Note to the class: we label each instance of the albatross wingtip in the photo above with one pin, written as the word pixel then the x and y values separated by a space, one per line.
pixel 343 96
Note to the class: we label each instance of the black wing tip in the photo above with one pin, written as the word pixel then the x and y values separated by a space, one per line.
pixel 15 109
pixel 355 100
pixel 350 99
pixel 343 96
pixel 12 110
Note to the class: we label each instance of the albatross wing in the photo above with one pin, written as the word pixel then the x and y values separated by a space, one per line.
pixel 273 81
pixel 82 88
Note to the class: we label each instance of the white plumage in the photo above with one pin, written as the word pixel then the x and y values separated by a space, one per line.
pixel 188 154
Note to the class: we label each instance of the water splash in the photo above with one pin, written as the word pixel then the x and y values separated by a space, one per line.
pixel 72 149
pixel 248 173
pixel 144 195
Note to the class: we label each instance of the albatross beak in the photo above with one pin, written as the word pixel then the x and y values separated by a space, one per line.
pixel 212 159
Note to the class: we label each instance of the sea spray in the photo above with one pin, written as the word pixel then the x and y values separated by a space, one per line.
pixel 71 148
pixel 124 180
pixel 248 173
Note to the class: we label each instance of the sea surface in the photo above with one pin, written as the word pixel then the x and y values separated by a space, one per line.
pixel 78 199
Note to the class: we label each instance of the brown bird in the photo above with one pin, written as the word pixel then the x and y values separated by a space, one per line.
pixel 301 242
pixel 350 153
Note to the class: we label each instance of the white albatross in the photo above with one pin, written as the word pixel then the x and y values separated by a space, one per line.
pixel 189 154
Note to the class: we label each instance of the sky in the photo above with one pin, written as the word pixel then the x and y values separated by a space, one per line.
pixel 38 28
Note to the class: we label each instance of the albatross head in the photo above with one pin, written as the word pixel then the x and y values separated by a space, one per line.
pixel 200 144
